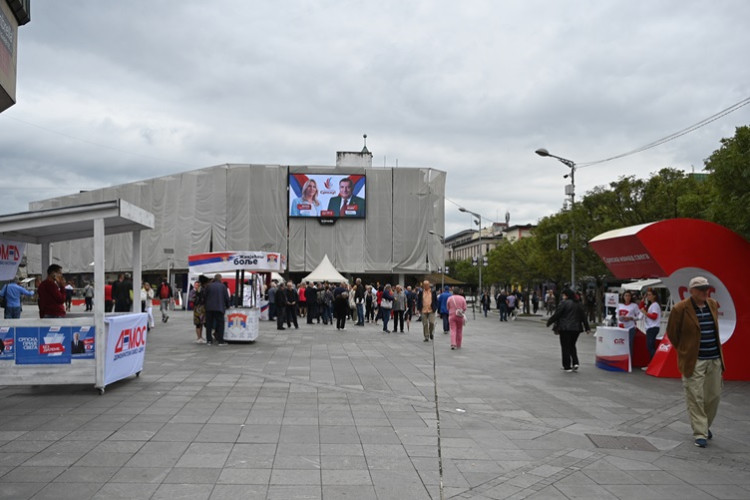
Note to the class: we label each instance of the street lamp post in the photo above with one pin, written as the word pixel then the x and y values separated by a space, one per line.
pixel 480 260
pixel 572 193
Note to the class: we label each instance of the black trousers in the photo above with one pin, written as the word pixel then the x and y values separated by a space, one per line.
pixel 291 315
pixel 215 324
pixel 312 312
pixel 398 316
pixel 568 347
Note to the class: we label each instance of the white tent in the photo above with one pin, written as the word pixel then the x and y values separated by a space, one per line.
pixel 325 272
pixel 639 285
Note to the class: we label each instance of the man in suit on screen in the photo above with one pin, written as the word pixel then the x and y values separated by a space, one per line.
pixel 346 204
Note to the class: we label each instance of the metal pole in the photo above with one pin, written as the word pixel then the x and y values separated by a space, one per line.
pixel 573 229
pixel 480 260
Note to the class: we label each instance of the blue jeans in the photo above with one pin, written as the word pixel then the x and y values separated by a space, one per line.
pixel 651 334
pixel 503 312
pixel 360 314
pixel 12 312
pixel 386 314
pixel 446 323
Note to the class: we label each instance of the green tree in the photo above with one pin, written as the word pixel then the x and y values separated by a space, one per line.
pixel 730 177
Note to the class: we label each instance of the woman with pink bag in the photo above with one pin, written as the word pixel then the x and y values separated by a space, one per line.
pixel 456 317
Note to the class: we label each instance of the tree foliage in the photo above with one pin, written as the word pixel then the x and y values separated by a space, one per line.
pixel 730 177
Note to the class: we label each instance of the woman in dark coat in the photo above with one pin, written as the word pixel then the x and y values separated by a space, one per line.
pixel 569 320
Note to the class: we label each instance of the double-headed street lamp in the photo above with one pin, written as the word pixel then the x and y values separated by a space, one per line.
pixel 481 255
pixel 570 191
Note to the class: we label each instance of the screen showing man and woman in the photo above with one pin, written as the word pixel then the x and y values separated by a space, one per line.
pixel 327 196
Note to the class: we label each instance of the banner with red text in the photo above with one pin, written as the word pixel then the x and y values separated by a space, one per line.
pixel 126 346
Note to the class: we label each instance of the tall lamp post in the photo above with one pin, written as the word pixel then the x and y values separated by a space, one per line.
pixel 571 191
pixel 481 254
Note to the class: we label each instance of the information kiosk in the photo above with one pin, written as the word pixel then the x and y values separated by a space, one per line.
pixel 81 348
pixel 675 250
pixel 246 286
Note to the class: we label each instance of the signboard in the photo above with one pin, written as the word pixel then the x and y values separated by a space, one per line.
pixel 218 262
pixel 11 253
pixel 126 346
pixel 242 324
pixel 613 349
pixel 43 345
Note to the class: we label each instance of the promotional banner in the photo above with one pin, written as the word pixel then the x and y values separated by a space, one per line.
pixel 312 195
pixel 219 262
pixel 612 349
pixel 43 345
pixel 7 338
pixel 126 346
pixel 82 346
pixel 11 253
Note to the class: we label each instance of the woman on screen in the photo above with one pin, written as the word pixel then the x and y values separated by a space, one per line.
pixel 307 205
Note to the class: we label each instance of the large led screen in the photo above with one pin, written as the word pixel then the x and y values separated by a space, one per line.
pixel 328 196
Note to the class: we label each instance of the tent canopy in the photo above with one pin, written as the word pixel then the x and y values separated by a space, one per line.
pixel 325 272
pixel 639 285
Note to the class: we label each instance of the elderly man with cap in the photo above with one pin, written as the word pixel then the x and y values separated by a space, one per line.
pixel 693 329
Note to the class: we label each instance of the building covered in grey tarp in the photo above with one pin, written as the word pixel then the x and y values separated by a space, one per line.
pixel 237 207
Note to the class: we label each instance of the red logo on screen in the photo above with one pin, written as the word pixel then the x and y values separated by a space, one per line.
pixel 327 183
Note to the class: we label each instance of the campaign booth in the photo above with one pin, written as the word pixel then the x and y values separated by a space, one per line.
pixel 242 272
pixel 675 250
pixel 80 348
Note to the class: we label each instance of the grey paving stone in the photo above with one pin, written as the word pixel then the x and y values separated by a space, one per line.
pixel 68 491
pixel 141 475
pixel 235 491
pixel 295 477
pixel 282 492
pixel 187 475
pixel 244 476
pixel 19 491
pixel 42 474
pixel 183 492
pixel 78 474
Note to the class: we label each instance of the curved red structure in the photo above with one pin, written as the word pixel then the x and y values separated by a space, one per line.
pixel 675 250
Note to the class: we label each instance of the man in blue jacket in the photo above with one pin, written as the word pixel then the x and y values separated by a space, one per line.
pixel 12 293
pixel 443 307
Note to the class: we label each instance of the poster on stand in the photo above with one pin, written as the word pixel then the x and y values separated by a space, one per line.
pixel 613 349
pixel 126 346
pixel 242 324
pixel 11 253
pixel 82 345
pixel 43 345
pixel 7 338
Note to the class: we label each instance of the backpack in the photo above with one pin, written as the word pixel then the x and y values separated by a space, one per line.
pixel 164 291
pixel 320 296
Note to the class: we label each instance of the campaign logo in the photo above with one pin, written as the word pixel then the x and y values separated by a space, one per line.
pixel 131 341
pixel 272 258
pixel 236 324
pixel 327 183
pixel 9 252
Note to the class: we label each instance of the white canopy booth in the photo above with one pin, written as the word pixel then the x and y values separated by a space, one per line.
pixel 325 272
pixel 45 227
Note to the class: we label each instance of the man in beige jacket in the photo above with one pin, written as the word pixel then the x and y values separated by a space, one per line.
pixel 693 329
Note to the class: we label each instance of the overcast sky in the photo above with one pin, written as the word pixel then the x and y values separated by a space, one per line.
pixel 115 92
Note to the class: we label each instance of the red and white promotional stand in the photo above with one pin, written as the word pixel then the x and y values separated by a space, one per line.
pixel 675 250
pixel 243 317
pixel 80 348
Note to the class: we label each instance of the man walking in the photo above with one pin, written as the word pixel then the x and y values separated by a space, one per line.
pixel 693 329
pixel 165 297
pixel 359 301
pixel 443 308
pixel 280 301
pixel 217 302
pixel 427 304
pixel 122 293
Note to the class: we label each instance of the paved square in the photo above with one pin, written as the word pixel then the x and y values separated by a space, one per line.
pixel 318 413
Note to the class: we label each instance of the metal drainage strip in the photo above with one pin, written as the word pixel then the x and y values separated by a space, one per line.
pixel 621 442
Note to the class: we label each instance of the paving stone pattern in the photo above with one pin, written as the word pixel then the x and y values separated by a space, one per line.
pixel 317 413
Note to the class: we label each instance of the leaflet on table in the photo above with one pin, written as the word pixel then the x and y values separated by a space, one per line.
pixel 7 338
pixel 43 345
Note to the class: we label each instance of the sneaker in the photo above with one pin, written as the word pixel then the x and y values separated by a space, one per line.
pixel 430 336
pixel 198 341
pixel 281 328
pixel 208 342
pixel 700 443
pixel 222 343
pixel 644 368
pixel 453 348
pixel 426 340
pixel 567 370
pixel 710 434
pixel 201 341
pixel 166 318
pixel 575 368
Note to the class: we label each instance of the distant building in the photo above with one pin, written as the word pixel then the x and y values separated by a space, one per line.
pixel 466 245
